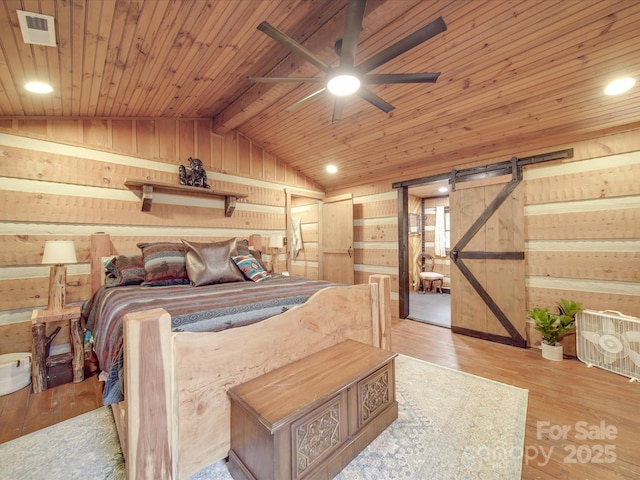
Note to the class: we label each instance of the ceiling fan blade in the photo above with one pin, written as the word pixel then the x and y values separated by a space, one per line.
pixel 352 27
pixel 285 79
pixel 292 45
pixel 377 79
pixel 375 100
pixel 306 99
pixel 404 45
pixel 338 106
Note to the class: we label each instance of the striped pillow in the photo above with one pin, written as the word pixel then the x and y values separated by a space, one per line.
pixel 130 269
pixel 164 264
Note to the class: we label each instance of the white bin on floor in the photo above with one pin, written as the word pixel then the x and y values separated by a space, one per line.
pixel 15 372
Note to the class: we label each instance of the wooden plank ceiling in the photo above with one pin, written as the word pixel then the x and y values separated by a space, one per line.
pixel 516 75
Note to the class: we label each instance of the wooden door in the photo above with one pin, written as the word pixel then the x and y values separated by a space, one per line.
pixel 488 271
pixel 337 240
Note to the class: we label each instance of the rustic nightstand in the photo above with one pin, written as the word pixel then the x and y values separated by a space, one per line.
pixel 39 320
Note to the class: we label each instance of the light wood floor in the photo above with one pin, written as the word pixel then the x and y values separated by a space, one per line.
pixel 588 401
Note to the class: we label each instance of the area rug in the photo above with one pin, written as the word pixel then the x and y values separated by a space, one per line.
pixel 450 425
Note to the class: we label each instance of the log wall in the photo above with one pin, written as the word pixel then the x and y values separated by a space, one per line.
pixel 64 180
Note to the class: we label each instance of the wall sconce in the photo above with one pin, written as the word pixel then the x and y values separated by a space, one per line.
pixel 57 253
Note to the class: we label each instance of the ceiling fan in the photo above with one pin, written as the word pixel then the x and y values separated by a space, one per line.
pixel 347 74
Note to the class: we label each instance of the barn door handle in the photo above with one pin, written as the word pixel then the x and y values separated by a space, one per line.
pixel 349 251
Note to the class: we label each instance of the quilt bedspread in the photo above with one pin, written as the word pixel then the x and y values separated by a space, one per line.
pixel 208 308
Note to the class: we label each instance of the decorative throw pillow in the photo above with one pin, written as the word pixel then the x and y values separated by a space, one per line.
pixel 251 268
pixel 110 269
pixel 209 263
pixel 164 264
pixel 244 249
pixel 129 269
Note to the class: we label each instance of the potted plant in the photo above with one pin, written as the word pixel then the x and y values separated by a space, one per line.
pixel 553 327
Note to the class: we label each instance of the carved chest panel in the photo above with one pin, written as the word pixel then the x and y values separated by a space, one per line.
pixel 309 419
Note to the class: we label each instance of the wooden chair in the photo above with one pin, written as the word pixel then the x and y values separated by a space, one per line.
pixel 428 277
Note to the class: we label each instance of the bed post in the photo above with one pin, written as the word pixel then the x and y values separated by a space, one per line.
pixel 100 247
pixel 149 385
pixel 382 304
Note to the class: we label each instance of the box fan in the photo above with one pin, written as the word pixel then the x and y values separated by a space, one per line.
pixel 609 340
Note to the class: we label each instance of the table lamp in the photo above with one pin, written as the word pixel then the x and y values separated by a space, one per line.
pixel 57 253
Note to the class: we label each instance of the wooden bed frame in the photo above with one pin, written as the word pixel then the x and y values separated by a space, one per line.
pixel 175 419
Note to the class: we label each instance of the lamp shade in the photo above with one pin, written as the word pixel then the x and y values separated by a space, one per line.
pixel 59 252
pixel 276 241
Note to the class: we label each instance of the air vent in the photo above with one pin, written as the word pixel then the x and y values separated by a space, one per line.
pixel 37 29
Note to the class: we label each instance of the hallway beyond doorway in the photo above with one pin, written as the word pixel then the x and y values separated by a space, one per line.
pixel 430 307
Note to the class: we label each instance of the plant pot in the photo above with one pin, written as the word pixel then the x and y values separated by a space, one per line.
pixel 552 352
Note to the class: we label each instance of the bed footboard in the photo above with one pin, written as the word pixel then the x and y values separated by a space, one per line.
pixel 178 412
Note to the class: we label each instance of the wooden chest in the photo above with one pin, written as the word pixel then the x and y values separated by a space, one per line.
pixel 309 419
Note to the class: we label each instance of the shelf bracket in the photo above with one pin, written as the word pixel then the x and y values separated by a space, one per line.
pixel 147 197
pixel 229 205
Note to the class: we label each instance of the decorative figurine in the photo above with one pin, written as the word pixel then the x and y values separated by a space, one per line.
pixel 195 176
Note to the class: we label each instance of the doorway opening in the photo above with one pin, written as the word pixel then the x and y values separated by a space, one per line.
pixel 429 245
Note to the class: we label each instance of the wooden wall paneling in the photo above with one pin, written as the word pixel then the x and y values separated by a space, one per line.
pixel 28 249
pixel 217 152
pixel 310 233
pixel 59 168
pixel 39 127
pixel 375 209
pixel 81 210
pixel 96 132
pixel 123 136
pixel 203 142
pixel 186 142
pixel 256 161
pixel 65 130
pixel 596 265
pixel 548 297
pixel 269 167
pixel 281 171
pixel 605 183
pixel 308 214
pixel 146 138
pixel 14 339
pixel 309 253
pixel 167 141
pixel 383 232
pixel 32 292
pixel 304 269
pixel 230 154
pixel 604 224
pixel 387 257
pixel 362 276
pixel 244 156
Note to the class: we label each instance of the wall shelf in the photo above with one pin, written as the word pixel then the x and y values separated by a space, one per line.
pixel 148 186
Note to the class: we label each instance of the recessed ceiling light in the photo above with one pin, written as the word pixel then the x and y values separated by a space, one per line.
pixel 38 87
pixel 332 168
pixel 443 189
pixel 619 86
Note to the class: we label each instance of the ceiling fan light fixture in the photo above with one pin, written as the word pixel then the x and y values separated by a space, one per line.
pixel 343 85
